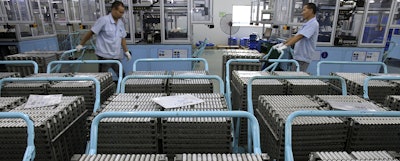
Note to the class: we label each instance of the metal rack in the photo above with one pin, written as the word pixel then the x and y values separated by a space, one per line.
pixel 92 150
pixel 279 147
pixel 292 116
pixel 60 129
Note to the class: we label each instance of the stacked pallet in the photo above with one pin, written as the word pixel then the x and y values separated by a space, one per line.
pixel 25 88
pixel 259 86
pixel 303 86
pixel 40 57
pixel 189 85
pixel 59 131
pixel 129 135
pixel 198 134
pixel 146 85
pixel 377 89
pixel 85 88
pixel 354 156
pixel 309 133
pixel 240 54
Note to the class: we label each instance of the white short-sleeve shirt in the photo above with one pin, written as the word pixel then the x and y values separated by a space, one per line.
pixel 108 37
pixel 306 47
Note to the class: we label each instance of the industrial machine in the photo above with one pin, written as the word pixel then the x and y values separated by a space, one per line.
pixel 155 29
pixel 26 25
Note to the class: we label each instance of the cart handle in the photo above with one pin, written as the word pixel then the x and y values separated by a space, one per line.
pixel 30 149
pixel 276 61
pixel 292 116
pixel 169 59
pixel 221 85
pixel 91 62
pixel 96 82
pixel 366 80
pixel 161 114
pixel 385 70
pixel 35 65
pixel 57 68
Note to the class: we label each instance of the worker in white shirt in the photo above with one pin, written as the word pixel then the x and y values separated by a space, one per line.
pixel 110 31
pixel 306 38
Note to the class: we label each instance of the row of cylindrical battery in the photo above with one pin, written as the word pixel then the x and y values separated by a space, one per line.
pixel 177 157
pixel 164 135
pixel 312 134
pixel 169 85
pixel 355 155
pixel 42 58
pixel 59 131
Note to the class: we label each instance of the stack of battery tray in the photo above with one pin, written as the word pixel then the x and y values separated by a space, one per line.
pixel 198 134
pixel 374 133
pixel 9 103
pixel 377 89
pixel 303 86
pixel 348 103
pixel 221 157
pixel 393 102
pixel 8 75
pixel 121 157
pixel 85 88
pixel 25 88
pixel 42 59
pixel 366 133
pixel 259 87
pixel 354 156
pixel 240 54
pixel 308 133
pixel 190 85
pixel 59 131
pixel 395 81
pixel 129 135
pixel 146 85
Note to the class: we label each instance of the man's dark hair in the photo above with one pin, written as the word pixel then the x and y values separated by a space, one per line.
pixel 116 4
pixel 312 6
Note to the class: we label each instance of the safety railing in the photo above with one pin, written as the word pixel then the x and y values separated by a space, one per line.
pixel 92 147
pixel 67 54
pixel 170 60
pixel 292 116
pixel 350 63
pixel 30 150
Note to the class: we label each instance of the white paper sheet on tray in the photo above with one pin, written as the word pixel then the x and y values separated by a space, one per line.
pixel 177 101
pixel 35 101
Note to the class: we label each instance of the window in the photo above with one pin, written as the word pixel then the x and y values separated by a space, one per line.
pixel 241 16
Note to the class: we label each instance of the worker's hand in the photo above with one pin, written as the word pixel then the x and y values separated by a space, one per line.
pixel 79 48
pixel 128 55
pixel 281 48
pixel 277 46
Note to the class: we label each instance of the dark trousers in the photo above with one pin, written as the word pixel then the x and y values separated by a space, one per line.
pixel 303 66
pixel 103 67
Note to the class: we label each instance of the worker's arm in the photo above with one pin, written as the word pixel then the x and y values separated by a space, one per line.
pixel 87 36
pixel 293 40
pixel 123 43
